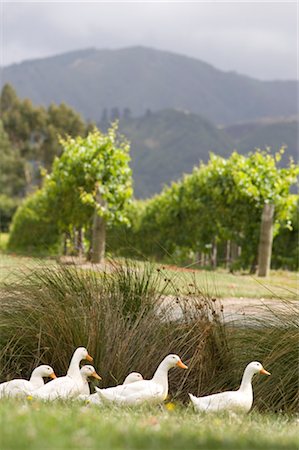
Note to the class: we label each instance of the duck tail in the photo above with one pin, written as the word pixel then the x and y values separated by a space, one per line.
pixel 193 399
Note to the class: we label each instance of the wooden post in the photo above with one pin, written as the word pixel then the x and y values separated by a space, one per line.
pixel 80 242
pixel 266 238
pixel 65 244
pixel 227 256
pixel 98 235
pixel 214 254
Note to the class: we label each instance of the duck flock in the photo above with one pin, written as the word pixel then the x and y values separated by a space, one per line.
pixel 134 390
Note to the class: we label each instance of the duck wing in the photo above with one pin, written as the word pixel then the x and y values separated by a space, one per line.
pixel 133 394
pixel 215 402
pixel 60 388
pixel 16 388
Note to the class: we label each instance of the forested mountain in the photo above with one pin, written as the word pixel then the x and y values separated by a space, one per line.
pixel 271 133
pixel 168 143
pixel 141 78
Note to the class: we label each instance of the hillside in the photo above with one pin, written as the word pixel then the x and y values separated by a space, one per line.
pixel 269 133
pixel 168 143
pixel 142 78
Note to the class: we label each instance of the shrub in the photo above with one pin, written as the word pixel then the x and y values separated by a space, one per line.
pixel 8 206
pixel 33 230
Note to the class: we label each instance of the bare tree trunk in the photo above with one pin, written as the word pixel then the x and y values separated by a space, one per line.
pixel 227 256
pixel 202 259
pixel 234 250
pixel 214 254
pixel 266 238
pixel 65 244
pixel 75 242
pixel 80 242
pixel 98 235
pixel 253 265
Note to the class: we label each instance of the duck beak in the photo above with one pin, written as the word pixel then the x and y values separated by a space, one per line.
pixel 264 372
pixel 181 365
pixel 89 358
pixel 96 375
pixel 52 375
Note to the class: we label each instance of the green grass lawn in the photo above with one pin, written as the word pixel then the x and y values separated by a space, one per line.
pixel 38 426
pixel 221 284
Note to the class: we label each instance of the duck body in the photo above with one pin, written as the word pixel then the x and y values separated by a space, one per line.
pixel 69 386
pixel 240 400
pixel 144 391
pixel 95 398
pixel 22 387
pixel 230 400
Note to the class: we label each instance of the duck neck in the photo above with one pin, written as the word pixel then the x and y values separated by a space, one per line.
pixel 161 376
pixel 246 383
pixel 36 380
pixel 74 367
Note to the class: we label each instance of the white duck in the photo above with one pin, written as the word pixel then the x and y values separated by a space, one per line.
pixel 240 400
pixel 21 387
pixel 69 386
pixel 86 372
pixel 95 398
pixel 151 391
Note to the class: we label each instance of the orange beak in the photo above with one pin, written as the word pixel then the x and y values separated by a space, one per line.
pixel 181 365
pixel 264 372
pixel 52 375
pixel 89 358
pixel 96 375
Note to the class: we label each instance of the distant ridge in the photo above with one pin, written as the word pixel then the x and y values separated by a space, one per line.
pixel 140 78
pixel 168 143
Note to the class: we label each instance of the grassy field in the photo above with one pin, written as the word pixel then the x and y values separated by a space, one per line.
pixel 37 426
pixel 280 284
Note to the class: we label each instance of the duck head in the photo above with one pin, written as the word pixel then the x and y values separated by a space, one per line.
pixel 89 371
pixel 256 367
pixel 173 361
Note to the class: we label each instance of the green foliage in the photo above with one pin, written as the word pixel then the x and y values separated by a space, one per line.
pixel 98 163
pixel 8 207
pixel 33 230
pixel 221 200
pixel 286 244
pixel 33 135
pixel 12 166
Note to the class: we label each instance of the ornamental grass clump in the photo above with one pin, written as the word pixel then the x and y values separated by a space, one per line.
pixel 121 315
pixel 131 316
pixel 272 337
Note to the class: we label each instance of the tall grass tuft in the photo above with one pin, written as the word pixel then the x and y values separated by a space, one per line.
pixel 272 335
pixel 130 317
pixel 121 316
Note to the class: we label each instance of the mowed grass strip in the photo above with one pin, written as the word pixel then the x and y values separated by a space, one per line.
pixel 221 284
pixel 38 426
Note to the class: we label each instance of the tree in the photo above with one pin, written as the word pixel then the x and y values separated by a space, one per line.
pixel 266 238
pixel 12 167
pixel 91 181
pixel 220 201
pixel 33 132
pixel 8 98
pixel 61 120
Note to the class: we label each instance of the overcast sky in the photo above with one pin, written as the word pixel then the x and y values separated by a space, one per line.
pixel 254 38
